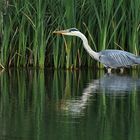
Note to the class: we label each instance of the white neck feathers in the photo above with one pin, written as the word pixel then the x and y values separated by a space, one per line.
pixel 92 53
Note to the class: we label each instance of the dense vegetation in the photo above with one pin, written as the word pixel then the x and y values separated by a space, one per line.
pixel 26 27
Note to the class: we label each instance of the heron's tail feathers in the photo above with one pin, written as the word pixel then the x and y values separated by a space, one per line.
pixel 137 60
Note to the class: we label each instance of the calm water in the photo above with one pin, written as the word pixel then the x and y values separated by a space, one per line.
pixel 65 105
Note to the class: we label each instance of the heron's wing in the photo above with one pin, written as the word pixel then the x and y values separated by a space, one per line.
pixel 116 59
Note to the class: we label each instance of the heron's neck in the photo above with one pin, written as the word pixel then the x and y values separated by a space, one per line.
pixel 92 53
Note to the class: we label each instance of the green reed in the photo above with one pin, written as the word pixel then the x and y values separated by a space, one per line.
pixel 134 29
pixel 26 31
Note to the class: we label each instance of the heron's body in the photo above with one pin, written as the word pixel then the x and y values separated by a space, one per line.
pixel 109 58
pixel 118 58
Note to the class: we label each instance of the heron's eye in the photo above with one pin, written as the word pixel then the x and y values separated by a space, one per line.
pixel 73 29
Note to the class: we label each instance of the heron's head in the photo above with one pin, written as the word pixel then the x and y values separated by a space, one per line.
pixel 70 32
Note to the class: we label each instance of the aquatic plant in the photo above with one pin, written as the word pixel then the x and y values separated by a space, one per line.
pixel 26 31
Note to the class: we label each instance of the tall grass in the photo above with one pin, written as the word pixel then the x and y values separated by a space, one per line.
pixel 26 31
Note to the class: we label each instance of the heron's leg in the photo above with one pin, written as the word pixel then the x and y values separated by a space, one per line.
pixel 108 70
pixel 121 70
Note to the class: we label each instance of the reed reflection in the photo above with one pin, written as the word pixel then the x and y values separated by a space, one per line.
pixel 69 105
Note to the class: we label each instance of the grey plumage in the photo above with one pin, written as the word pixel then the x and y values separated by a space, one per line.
pixel 118 58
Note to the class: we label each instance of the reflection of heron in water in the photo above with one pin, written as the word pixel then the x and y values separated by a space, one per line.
pixel 114 85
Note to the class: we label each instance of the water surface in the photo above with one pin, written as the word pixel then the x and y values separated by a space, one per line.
pixel 65 105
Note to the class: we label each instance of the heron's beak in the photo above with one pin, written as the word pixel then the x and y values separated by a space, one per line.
pixel 60 32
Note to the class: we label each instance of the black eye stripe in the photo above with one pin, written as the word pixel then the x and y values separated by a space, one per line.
pixel 73 29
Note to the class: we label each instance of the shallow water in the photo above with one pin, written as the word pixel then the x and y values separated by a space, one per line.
pixel 65 105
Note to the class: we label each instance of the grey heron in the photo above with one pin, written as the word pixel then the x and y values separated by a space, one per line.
pixel 111 59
